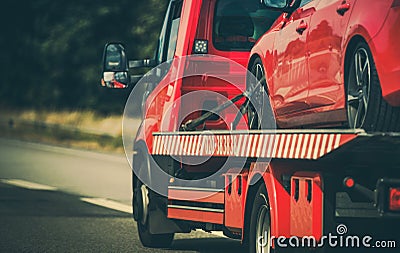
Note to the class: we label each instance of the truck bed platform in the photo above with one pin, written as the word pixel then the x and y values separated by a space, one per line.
pixel 333 146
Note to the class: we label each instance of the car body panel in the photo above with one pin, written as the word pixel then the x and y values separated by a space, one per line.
pixel 387 56
pixel 291 80
pixel 330 38
pixel 324 43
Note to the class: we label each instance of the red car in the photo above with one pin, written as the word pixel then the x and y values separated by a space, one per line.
pixel 331 63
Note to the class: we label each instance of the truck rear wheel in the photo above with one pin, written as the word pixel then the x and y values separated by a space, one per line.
pixel 152 240
pixel 260 223
pixel 141 202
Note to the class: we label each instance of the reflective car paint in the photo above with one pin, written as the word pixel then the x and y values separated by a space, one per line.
pixel 313 92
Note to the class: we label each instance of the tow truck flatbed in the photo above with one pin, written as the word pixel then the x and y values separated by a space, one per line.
pixel 329 146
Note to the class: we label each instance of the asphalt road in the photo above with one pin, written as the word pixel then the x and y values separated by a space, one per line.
pixel 46 205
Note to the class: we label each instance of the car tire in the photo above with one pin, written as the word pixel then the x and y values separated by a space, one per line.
pixel 142 201
pixel 259 112
pixel 365 105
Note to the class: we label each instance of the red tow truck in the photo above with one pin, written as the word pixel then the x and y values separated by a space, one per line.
pixel 197 165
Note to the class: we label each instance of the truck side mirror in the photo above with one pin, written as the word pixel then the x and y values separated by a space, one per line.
pixel 115 67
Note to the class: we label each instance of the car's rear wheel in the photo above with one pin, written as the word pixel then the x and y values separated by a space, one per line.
pixel 365 105
pixel 259 113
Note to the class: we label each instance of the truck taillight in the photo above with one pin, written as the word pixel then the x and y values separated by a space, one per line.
pixel 394 199
pixel 349 182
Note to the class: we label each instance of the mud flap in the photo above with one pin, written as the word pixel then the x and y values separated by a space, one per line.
pixel 160 224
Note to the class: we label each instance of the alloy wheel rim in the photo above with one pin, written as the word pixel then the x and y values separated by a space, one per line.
pixel 358 94
pixel 257 110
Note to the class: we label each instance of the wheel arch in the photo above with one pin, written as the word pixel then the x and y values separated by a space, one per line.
pixel 140 150
pixel 252 60
pixel 270 176
pixel 351 45
pixel 256 181
pixel 144 135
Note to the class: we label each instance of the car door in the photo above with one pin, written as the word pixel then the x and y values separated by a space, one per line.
pixel 290 87
pixel 324 42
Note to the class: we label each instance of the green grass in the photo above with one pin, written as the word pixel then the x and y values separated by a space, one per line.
pixel 83 130
pixel 62 137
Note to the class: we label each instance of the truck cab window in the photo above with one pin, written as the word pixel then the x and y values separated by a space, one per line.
pixel 161 41
pixel 169 33
pixel 172 38
pixel 173 31
pixel 238 24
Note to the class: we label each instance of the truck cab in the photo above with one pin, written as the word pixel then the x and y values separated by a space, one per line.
pixel 200 62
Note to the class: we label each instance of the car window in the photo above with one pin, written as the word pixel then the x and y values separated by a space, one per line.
pixel 238 24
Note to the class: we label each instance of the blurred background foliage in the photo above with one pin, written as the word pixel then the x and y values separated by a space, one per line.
pixel 50 51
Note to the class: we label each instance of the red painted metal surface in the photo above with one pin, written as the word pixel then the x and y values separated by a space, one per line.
pixel 197 196
pixel 163 110
pixel 278 197
pixel 387 54
pixel 305 70
pixel 193 215
pixel 235 192
pixel 306 205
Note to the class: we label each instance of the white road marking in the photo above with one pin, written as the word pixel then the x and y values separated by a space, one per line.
pixel 28 185
pixel 110 204
pixel 96 201
pixel 114 158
